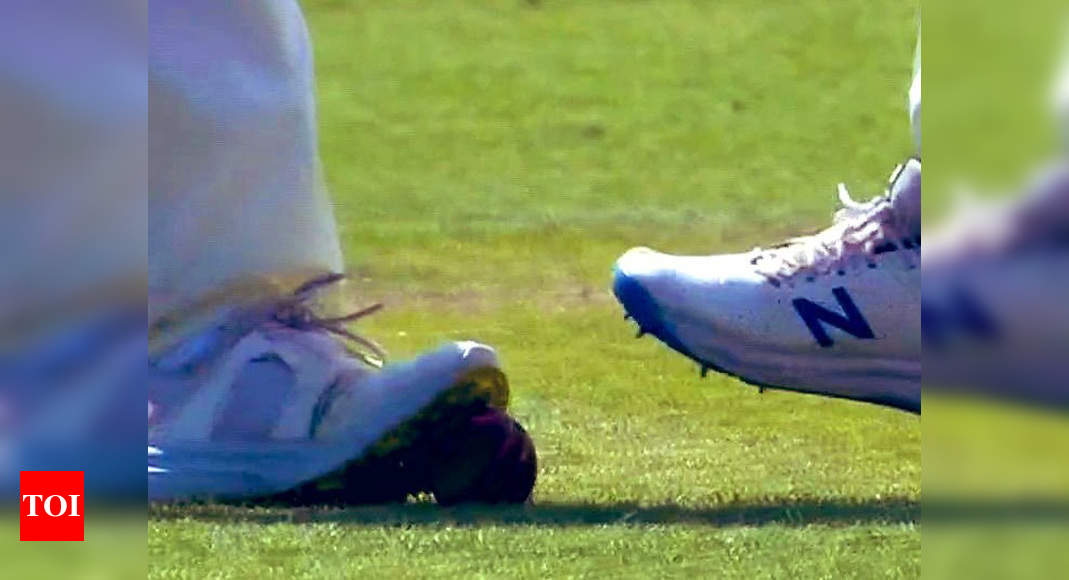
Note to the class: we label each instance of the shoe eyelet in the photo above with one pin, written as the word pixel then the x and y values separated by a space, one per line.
pixel 872 265
pixel 841 272
pixel 810 279
pixel 885 247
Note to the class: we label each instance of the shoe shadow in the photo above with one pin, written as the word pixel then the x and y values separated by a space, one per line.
pixel 789 512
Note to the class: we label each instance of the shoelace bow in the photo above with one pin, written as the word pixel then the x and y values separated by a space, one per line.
pixel 295 311
pixel 998 226
pixel 858 229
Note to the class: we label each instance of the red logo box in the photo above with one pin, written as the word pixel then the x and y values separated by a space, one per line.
pixel 51 506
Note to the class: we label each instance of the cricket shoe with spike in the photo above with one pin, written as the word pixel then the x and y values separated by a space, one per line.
pixel 996 277
pixel 263 404
pixel 836 313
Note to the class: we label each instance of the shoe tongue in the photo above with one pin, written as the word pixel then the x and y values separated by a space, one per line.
pixel 905 191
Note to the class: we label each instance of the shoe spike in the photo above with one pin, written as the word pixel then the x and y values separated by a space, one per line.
pixel 704 371
pixel 641 332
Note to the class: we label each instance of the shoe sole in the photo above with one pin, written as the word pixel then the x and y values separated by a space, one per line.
pixel 481 385
pixel 477 387
pixel 640 306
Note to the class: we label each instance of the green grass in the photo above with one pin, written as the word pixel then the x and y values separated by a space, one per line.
pixel 489 161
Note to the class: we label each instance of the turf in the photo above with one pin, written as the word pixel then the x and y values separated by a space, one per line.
pixel 489 161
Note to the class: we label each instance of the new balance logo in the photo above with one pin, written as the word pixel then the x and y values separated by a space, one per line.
pixel 959 315
pixel 815 316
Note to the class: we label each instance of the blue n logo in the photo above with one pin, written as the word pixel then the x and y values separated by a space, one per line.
pixel 816 316
pixel 960 315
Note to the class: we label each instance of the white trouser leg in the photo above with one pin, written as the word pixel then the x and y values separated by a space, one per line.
pixel 906 190
pixel 72 159
pixel 235 191
pixel 1061 98
pixel 915 99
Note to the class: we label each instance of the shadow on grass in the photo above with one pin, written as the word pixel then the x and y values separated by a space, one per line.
pixel 788 512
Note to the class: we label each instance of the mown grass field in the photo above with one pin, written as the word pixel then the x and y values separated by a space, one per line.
pixel 489 161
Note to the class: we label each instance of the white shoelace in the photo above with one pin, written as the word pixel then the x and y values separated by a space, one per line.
pixel 860 230
pixel 981 225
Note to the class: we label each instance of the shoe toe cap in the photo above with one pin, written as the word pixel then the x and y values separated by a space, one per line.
pixel 638 263
pixel 632 277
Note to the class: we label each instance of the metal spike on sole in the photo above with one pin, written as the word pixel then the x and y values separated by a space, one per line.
pixel 641 332
pixel 627 316
pixel 704 371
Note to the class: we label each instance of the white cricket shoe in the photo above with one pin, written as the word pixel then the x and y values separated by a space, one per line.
pixel 257 405
pixel 994 308
pixel 836 313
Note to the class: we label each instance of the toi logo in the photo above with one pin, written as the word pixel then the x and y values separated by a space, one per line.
pixel 51 506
